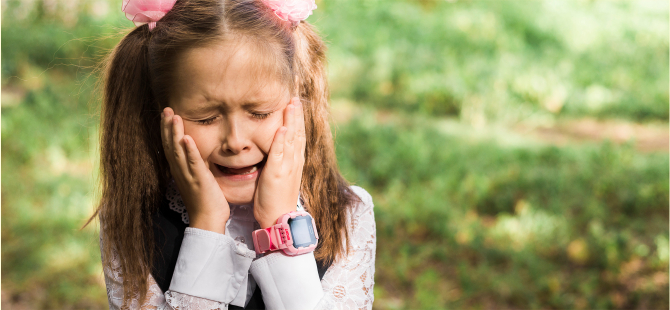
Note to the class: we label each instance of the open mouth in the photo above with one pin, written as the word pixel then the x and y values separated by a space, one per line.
pixel 241 170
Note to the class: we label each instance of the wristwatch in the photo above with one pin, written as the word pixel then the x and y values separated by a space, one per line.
pixel 294 233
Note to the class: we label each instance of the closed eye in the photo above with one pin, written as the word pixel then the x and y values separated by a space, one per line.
pixel 260 115
pixel 206 121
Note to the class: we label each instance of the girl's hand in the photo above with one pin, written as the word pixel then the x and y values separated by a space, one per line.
pixel 279 183
pixel 206 206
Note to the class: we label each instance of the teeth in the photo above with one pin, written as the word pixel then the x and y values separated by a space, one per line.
pixel 252 170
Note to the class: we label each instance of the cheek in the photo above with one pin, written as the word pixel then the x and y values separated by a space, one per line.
pixel 266 132
pixel 204 137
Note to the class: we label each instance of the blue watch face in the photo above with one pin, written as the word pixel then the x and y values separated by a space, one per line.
pixel 302 231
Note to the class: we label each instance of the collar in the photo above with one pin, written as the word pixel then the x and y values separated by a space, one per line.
pixel 241 212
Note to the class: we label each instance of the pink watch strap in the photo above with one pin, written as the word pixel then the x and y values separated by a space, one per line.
pixel 271 238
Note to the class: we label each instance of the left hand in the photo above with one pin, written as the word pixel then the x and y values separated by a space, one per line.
pixel 279 183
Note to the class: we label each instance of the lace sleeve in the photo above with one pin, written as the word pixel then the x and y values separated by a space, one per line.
pixel 349 281
pixel 155 298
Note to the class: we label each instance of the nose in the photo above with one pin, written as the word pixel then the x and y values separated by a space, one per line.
pixel 235 140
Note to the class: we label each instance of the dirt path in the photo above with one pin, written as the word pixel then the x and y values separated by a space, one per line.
pixel 647 137
pixel 653 137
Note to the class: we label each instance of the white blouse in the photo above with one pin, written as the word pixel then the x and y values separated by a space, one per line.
pixel 215 270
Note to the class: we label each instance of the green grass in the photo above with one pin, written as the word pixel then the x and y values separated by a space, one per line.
pixel 465 219
pixel 525 227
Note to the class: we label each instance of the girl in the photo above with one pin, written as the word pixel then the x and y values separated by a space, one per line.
pixel 214 124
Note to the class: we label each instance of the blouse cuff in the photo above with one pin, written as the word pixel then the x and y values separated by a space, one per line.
pixel 288 282
pixel 211 266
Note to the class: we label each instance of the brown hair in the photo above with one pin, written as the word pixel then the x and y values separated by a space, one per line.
pixel 139 73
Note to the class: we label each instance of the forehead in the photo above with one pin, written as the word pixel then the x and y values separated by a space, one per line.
pixel 231 72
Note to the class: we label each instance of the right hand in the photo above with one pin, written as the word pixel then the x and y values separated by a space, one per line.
pixel 205 203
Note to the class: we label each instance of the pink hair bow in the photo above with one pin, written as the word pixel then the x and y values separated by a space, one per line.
pixel 141 12
pixel 291 10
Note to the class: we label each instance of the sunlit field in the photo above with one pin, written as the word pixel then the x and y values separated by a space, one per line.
pixel 516 151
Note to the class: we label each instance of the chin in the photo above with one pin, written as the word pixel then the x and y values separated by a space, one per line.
pixel 239 195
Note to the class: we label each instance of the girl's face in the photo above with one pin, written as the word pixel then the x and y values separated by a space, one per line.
pixel 231 112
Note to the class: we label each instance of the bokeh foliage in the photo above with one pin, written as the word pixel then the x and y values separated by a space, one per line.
pixel 501 60
pixel 464 219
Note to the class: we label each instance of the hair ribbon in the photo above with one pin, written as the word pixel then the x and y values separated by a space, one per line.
pixel 291 10
pixel 141 12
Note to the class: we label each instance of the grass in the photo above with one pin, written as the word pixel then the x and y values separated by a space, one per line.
pixel 468 215
pixel 464 224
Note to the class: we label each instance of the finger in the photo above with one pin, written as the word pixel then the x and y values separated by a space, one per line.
pixel 277 149
pixel 196 165
pixel 289 122
pixel 166 131
pixel 177 136
pixel 300 131
pixel 168 146
pixel 289 144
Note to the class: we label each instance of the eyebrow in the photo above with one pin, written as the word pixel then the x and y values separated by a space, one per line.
pixel 210 104
pixel 265 102
pixel 203 108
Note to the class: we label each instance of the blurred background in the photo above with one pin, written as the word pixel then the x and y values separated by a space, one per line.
pixel 516 151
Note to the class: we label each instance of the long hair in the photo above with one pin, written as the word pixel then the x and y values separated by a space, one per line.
pixel 138 78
